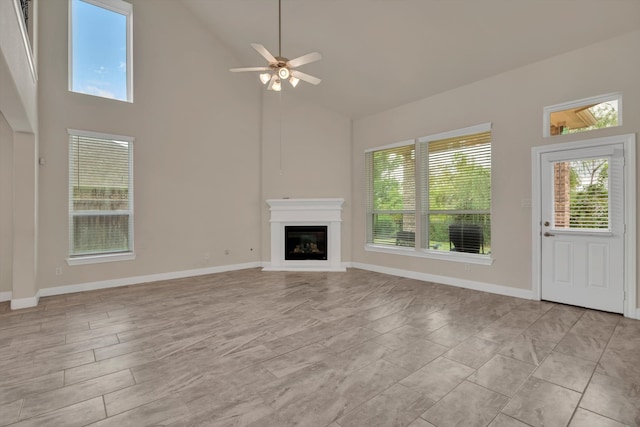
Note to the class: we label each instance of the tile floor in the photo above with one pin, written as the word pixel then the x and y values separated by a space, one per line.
pixel 253 348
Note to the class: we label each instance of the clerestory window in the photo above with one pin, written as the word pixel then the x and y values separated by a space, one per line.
pixel 100 43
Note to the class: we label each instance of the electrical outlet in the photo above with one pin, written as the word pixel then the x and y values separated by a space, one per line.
pixel 58 271
pixel 206 256
pixel 226 251
pixel 466 266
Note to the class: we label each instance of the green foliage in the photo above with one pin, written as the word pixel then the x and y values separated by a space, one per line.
pixel 606 116
pixel 461 185
pixel 389 170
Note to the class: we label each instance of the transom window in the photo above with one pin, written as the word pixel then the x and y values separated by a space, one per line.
pixel 100 194
pixel 432 195
pixel 597 112
pixel 100 45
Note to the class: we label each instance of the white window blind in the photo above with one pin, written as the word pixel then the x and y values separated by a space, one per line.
pixel 457 193
pixel 581 194
pixel 100 194
pixel 391 196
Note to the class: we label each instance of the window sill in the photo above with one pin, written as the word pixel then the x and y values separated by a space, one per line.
pixel 96 259
pixel 424 253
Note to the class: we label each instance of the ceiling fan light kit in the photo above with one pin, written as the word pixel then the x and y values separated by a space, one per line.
pixel 281 68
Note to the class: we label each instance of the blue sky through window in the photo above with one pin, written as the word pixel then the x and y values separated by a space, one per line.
pixel 99 42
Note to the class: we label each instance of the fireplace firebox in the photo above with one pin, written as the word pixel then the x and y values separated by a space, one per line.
pixel 305 242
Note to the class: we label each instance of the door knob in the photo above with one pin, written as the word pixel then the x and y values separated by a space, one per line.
pixel 547 234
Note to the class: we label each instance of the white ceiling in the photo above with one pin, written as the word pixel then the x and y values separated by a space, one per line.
pixel 378 54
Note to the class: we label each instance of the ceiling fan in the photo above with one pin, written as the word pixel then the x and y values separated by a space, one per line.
pixel 281 68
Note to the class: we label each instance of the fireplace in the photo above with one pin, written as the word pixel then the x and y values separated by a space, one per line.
pixel 305 235
pixel 304 242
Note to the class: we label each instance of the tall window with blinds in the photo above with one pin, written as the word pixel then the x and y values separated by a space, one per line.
pixel 391 211
pixel 433 194
pixel 457 193
pixel 100 194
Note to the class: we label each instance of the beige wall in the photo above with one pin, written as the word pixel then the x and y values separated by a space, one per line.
pixel 513 102
pixel 306 153
pixel 196 149
pixel 6 206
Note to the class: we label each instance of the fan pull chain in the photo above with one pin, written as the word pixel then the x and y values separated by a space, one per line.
pixel 280 124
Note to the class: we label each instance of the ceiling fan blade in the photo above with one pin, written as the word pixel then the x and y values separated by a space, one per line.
pixel 240 70
pixel 304 59
pixel 306 77
pixel 264 52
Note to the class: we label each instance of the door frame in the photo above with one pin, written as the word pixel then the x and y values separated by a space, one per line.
pixel 629 176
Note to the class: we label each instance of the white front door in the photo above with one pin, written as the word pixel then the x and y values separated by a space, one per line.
pixel 582 227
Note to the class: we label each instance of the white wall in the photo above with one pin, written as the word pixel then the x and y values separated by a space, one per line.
pixel 196 149
pixel 513 102
pixel 306 153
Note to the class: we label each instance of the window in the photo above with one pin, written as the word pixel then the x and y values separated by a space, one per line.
pixel 100 195
pixel 457 191
pixel 581 194
pixel 432 197
pixel 100 48
pixel 392 196
pixel 597 112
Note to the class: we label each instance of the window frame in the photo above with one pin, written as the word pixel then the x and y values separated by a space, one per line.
pixel 117 6
pixel 106 256
pixel 599 99
pixel 421 209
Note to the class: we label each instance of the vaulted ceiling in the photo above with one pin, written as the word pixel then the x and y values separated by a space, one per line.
pixel 378 54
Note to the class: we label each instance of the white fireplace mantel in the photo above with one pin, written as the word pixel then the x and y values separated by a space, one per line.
pixel 324 212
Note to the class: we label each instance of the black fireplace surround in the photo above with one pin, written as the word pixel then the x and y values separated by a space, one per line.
pixel 305 242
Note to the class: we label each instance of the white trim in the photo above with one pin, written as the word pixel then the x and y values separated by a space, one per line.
pixel 97 259
pixel 469 130
pixel 19 303
pixel 25 40
pixel 137 280
pixel 100 135
pixel 292 267
pixel 389 146
pixel 637 314
pixel 630 281
pixel 546 111
pixel 117 6
pixel 5 296
pixel 451 281
pixel 423 253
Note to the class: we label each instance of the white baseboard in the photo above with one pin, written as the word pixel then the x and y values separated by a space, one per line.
pixel 18 303
pixel 137 280
pixel 445 280
pixel 5 296
pixel 452 281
